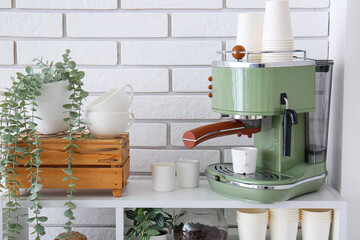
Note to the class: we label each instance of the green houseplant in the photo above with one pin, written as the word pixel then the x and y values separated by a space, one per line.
pixel 149 223
pixel 19 122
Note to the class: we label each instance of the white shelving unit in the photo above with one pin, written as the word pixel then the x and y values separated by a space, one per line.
pixel 138 193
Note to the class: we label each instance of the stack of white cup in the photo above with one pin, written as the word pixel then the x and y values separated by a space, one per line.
pixel 284 223
pixel 108 116
pixel 252 223
pixel 249 34
pixel 277 32
pixel 315 224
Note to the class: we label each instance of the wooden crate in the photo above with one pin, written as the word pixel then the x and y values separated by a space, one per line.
pixel 99 164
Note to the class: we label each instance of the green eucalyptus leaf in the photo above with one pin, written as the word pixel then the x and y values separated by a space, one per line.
pixel 29 70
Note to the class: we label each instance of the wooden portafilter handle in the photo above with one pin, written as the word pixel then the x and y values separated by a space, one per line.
pixel 198 135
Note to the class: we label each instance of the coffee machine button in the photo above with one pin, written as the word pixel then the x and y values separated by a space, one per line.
pixel 210 78
pixel 210 95
pixel 210 87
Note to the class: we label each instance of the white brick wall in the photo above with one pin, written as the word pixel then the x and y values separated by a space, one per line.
pixel 293 3
pixel 127 25
pixel 23 24
pixel 178 4
pixel 5 3
pixel 67 4
pixel 7 52
pixel 169 52
pixel 164 49
pixel 84 52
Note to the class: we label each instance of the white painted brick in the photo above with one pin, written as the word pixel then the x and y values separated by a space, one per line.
pixel 191 79
pixel 92 233
pixel 141 159
pixel 21 24
pixel 173 107
pixel 178 130
pixel 310 24
pixel 67 4
pixel 225 24
pixel 317 49
pixel 169 52
pixel 261 3
pixel 5 76
pixel 117 24
pixel 204 24
pixel 148 134
pixel 6 52
pixel 83 52
pixel 164 4
pixel 5 3
pixel 84 216
pixel 142 80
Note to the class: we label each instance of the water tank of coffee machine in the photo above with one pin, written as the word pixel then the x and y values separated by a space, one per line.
pixel 318 121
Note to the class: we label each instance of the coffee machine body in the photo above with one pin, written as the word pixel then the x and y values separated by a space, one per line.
pixel 281 99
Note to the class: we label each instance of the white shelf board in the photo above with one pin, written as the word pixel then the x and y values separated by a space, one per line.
pixel 138 193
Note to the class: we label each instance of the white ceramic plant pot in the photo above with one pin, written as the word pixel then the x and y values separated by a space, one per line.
pixel 160 237
pixel 50 108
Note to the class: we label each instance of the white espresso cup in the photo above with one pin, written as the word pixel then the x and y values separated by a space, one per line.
pixel 109 124
pixel 244 159
pixel 116 100
pixel 163 176
pixel 188 173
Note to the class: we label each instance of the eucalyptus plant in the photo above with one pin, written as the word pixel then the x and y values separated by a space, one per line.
pixel 19 139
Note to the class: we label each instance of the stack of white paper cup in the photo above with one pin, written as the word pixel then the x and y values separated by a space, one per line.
pixel 249 34
pixel 315 224
pixel 277 32
pixel 252 223
pixel 284 223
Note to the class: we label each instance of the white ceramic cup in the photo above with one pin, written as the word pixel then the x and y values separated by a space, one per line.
pixel 244 159
pixel 188 173
pixel 163 176
pixel 249 33
pixel 116 100
pixel 109 124
pixel 50 108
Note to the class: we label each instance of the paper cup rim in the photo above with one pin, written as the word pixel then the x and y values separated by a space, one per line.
pixel 163 164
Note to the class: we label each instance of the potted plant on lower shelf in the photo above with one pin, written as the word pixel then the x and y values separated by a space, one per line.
pixel 20 122
pixel 149 223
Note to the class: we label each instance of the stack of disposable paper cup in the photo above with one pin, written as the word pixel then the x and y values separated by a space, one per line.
pixel 252 223
pixel 284 223
pixel 249 34
pixel 277 32
pixel 315 224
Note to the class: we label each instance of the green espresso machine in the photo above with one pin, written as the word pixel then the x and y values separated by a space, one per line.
pixel 285 106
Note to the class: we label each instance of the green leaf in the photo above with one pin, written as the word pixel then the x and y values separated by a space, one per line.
pixel 153 232
pixel 68 213
pixel 71 64
pixel 67 106
pixel 29 70
pixel 130 214
pixel 70 205
pixel 37 187
pixel 59 65
pixel 68 171
pixel 30 220
pixel 160 220
pixel 74 114
pixel 42 219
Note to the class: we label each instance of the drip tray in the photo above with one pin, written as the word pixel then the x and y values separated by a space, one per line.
pixel 260 175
